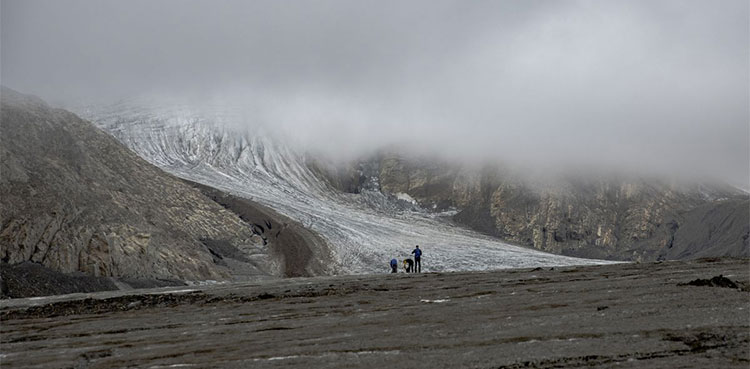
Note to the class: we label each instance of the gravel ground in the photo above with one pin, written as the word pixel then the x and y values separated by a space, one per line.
pixel 624 315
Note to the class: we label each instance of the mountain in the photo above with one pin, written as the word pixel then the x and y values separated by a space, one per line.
pixel 75 200
pixel 152 195
pixel 364 230
pixel 584 215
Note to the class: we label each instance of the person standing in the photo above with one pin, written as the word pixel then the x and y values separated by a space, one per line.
pixel 417 260
pixel 394 265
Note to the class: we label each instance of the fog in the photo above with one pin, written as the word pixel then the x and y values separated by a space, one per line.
pixel 654 86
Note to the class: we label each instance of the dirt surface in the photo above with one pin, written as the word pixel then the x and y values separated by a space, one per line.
pixel 625 316
pixel 29 279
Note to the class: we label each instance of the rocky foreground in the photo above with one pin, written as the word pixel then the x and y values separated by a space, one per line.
pixel 663 315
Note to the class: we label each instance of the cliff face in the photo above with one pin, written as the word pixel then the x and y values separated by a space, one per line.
pixel 624 220
pixel 75 200
pixel 610 218
pixel 430 183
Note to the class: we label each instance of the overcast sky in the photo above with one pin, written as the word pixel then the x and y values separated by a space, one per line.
pixel 657 85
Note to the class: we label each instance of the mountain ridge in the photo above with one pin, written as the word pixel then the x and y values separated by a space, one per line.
pixel 75 200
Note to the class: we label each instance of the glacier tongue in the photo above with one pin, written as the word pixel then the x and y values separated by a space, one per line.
pixel 363 235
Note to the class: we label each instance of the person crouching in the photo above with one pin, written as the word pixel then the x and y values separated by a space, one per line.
pixel 408 265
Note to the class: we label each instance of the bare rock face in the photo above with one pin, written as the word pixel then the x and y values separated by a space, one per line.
pixel 626 220
pixel 429 182
pixel 73 199
pixel 711 229
pixel 586 216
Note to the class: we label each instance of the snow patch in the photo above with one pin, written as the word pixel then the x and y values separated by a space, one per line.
pixel 405 197
pixel 172 291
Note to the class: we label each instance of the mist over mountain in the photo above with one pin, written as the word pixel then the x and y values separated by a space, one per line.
pixel 653 88
pixel 368 206
pixel 606 216
pixel 342 183
pixel 596 129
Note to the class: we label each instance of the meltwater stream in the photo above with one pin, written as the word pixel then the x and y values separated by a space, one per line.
pixel 363 231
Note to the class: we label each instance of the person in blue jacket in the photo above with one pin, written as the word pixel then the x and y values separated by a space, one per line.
pixel 417 260
pixel 394 265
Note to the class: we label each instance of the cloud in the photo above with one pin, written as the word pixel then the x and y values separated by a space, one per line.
pixel 660 86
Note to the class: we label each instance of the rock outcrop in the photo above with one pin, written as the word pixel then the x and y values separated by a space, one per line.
pixel 73 199
pixel 608 217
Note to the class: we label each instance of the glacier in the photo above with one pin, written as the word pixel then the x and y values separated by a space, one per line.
pixel 364 231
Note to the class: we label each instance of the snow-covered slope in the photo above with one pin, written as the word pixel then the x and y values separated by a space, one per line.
pixel 364 230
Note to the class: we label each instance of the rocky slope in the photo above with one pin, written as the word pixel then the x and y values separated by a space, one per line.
pixel 599 217
pixel 73 199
